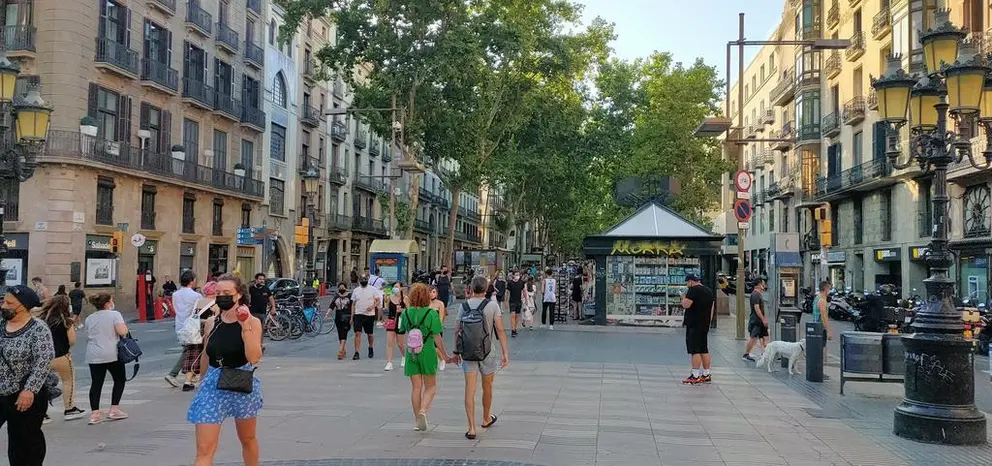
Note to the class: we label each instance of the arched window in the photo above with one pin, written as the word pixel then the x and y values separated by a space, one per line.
pixel 272 32
pixel 279 90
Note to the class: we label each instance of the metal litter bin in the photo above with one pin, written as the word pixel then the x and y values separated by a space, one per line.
pixel 814 351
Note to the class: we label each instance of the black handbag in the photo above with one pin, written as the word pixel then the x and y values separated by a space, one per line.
pixel 236 380
pixel 128 351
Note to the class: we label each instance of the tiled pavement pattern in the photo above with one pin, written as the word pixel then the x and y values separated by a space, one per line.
pixel 568 398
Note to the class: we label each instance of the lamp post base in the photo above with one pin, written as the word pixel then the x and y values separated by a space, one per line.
pixel 939 403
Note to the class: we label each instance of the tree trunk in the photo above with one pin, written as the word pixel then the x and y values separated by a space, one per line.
pixel 452 222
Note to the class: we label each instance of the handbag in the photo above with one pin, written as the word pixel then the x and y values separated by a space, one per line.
pixel 390 325
pixel 190 332
pixel 236 380
pixel 128 351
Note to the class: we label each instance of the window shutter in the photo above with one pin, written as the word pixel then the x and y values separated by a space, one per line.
pixel 165 132
pixel 878 142
pixel 168 48
pixel 103 20
pixel 185 59
pixel 143 115
pixel 127 29
pixel 93 103
pixel 124 119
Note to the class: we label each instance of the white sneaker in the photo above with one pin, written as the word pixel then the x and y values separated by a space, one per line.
pixel 441 364
pixel 551 327
pixel 171 380
pixel 389 366
pixel 403 361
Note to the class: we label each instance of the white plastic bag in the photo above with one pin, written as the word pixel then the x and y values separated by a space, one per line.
pixel 190 332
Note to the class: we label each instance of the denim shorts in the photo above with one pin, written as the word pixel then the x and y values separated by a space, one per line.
pixel 486 367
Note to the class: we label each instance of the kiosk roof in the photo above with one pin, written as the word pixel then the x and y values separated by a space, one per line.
pixel 654 220
pixel 404 246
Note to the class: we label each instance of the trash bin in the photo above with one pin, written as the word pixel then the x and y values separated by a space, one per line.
pixel 788 323
pixel 814 351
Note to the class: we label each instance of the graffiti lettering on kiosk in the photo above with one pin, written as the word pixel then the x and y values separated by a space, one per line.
pixel 657 248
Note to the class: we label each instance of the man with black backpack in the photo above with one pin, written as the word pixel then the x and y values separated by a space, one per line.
pixel 480 321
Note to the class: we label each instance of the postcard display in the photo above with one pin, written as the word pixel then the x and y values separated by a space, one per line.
pixel 648 288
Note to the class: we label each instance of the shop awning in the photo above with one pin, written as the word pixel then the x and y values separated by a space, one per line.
pixel 654 220
pixel 404 246
pixel 788 259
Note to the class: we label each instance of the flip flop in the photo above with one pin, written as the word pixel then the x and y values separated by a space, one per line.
pixel 469 436
pixel 491 422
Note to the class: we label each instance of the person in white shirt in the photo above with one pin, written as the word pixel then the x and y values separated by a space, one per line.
pixel 375 280
pixel 550 287
pixel 365 301
pixel 183 303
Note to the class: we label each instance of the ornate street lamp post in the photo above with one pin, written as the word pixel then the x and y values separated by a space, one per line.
pixel 18 154
pixel 311 180
pixel 939 401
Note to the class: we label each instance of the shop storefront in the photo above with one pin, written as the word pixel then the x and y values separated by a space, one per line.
pixel 973 276
pixel 641 265
pixel 16 260
pixel 100 264
pixel 836 260
pixel 888 266
pixel 146 256
pixel 187 256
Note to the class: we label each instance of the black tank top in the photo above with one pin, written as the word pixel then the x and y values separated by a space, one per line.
pixel 395 310
pixel 226 345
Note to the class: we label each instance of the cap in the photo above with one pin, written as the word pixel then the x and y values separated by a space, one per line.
pixel 25 295
pixel 692 277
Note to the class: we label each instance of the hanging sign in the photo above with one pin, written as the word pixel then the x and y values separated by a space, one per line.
pixel 138 240
pixel 660 248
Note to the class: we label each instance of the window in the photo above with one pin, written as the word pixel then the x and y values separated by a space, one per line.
pixel 834 225
pixel 187 256
pixel 771 219
pixel 246 215
pixel 104 201
pixel 858 148
pixel 249 31
pixel 157 43
pixel 858 220
pixel 250 92
pixel 272 32
pixel 157 122
pixel 115 22
pixel 320 152
pixel 218 218
pixel 976 211
pixel 189 221
pixel 195 63
pixel 220 151
pixel 223 78
pixel 277 193
pixel 277 148
pixel 107 114
pixel 19 13
pixel 279 90
pixel 762 73
pixel 191 139
pixel 10 198
pixel 885 210
pixel 217 259
pixel 305 151
pixel 148 208
pixel 248 156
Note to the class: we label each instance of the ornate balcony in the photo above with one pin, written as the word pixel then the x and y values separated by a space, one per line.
pixel 252 117
pixel 310 116
pixel 387 154
pixel 872 100
pixel 857 47
pixel 768 157
pixel 227 106
pixel 371 184
pixel 117 58
pixel 785 90
pixel 361 139
pixel 375 147
pixel 73 148
pixel 786 133
pixel 309 71
pixel 369 225
pixel 339 222
pixel 854 111
pixel 865 177
pixel 165 6
pixel 255 7
pixel 337 176
pixel 19 40
pixel 159 76
pixel 830 124
pixel 833 64
pixel 882 23
pixel 198 20
pixel 227 38
pixel 254 55
pixel 198 93
pixel 339 132
pixel 833 15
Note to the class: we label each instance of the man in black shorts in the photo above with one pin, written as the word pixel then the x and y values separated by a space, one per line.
pixel 516 290
pixel 699 307
pixel 260 297
pixel 757 325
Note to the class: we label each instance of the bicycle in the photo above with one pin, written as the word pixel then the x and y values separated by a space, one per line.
pixel 277 326
pixel 327 321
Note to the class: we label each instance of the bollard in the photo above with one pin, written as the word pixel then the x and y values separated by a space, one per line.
pixel 788 323
pixel 814 351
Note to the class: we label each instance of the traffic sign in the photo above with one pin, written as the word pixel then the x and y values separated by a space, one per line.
pixel 742 180
pixel 138 240
pixel 742 210
pixel 743 225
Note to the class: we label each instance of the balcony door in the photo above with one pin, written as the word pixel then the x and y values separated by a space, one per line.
pixel 195 64
pixel 223 78
pixel 18 13
pixel 115 22
pixel 157 43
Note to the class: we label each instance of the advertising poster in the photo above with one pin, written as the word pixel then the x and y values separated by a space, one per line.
pixel 100 272
pixel 15 271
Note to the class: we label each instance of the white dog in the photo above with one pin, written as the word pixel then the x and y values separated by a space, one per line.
pixel 778 349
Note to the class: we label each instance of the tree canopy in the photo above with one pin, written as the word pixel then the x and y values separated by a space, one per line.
pixel 524 96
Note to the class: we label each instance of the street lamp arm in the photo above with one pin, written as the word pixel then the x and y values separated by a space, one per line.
pixel 346 111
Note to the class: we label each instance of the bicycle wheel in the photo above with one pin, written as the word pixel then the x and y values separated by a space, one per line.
pixel 296 326
pixel 327 324
pixel 313 326
pixel 275 329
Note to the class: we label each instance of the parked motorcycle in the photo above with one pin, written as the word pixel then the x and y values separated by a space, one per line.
pixel 808 297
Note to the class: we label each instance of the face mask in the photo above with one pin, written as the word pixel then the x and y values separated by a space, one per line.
pixel 342 290
pixel 363 282
pixel 225 302
pixel 8 314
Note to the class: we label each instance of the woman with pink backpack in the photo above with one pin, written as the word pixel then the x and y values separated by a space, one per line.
pixel 421 327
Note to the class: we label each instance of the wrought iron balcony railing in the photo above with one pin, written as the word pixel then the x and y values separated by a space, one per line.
pixel 199 19
pixel 783 92
pixel 339 132
pixel 199 92
pixel 19 38
pixel 833 15
pixel 252 117
pixel 254 55
pixel 857 47
pixel 310 116
pixel 227 37
pixel 337 175
pixel 882 23
pixel 833 64
pixel 854 110
pixel 853 177
pixel 160 74
pixel 830 124
pixel 117 57
pixel 361 139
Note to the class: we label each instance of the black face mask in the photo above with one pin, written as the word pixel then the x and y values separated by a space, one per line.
pixel 225 302
pixel 363 282
pixel 342 290
pixel 8 314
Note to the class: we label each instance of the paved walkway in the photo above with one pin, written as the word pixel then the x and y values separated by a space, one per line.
pixel 575 396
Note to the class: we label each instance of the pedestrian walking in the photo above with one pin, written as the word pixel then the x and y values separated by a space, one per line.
pixel 104 328
pixel 61 291
pixel 515 290
pixel 530 303
pixel 442 312
pixel 55 312
pixel 758 322
pixel 395 306
pixel 499 284
pixel 577 296
pixel 26 353
pixel 365 302
pixel 40 289
pixel 341 306
pixel 698 302
pixel 480 321
pixel 203 309
pixel 550 297
pixel 228 388
pixel 443 284
pixel 183 304
pixel 421 325
pixel 76 298
pixel 260 296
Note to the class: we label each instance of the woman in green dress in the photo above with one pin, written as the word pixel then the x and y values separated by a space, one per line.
pixel 422 367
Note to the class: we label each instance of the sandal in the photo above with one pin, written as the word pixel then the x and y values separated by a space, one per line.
pixel 469 436
pixel 492 421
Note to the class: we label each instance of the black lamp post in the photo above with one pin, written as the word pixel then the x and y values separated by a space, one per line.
pixel 939 401
pixel 18 154
pixel 311 178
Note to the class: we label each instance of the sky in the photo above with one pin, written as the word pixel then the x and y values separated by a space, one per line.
pixel 689 29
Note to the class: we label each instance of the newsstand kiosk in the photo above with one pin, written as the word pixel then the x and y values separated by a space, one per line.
pixel 642 262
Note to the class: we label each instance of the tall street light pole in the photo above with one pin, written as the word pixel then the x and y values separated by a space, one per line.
pixel 311 180
pixel 939 390
pixel 713 127
pixel 18 154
